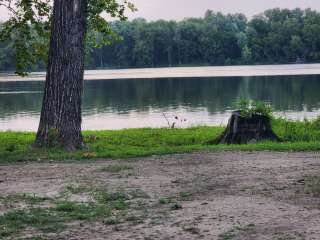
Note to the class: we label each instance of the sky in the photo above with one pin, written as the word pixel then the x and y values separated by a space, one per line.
pixel 179 9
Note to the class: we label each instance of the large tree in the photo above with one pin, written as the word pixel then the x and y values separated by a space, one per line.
pixel 66 24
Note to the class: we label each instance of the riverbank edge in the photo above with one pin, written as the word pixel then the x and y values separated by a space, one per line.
pixel 185 72
pixel 130 143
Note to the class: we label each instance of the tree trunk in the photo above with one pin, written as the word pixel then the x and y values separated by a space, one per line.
pixel 251 129
pixel 60 122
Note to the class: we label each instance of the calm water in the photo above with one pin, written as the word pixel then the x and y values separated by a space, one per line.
pixel 116 104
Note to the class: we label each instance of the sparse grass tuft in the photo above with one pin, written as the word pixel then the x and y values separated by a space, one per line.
pixel 26 198
pixel 185 196
pixel 237 231
pixel 115 168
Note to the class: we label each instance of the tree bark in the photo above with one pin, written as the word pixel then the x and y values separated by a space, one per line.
pixel 60 122
pixel 251 129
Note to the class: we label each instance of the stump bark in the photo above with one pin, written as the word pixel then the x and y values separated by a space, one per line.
pixel 247 129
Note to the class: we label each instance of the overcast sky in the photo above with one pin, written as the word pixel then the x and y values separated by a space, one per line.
pixel 179 9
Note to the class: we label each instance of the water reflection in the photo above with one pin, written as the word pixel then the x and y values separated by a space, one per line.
pixel 114 104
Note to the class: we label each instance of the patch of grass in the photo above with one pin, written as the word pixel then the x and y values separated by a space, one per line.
pixel 30 199
pixel 227 235
pixel 165 201
pixel 296 136
pixel 237 230
pixel 288 236
pixel 115 168
pixel 185 196
pixel 54 219
pixel 248 107
pixel 44 220
pixel 34 238
pixel 82 211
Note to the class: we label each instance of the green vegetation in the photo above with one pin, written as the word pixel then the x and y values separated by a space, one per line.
pixel 296 136
pixel 247 108
pixel 115 168
pixel 238 230
pixel 54 216
pixel 275 36
pixel 26 198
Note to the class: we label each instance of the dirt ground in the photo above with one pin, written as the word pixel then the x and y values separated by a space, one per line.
pixel 205 195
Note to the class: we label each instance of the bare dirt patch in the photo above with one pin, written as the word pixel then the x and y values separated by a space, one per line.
pixel 206 195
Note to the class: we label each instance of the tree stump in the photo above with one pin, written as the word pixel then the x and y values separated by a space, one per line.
pixel 247 129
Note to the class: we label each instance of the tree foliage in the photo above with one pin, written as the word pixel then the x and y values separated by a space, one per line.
pixel 28 29
pixel 275 36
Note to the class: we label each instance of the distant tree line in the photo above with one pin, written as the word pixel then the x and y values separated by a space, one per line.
pixel 276 36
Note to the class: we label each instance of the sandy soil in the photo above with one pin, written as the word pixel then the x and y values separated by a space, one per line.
pixel 177 72
pixel 230 195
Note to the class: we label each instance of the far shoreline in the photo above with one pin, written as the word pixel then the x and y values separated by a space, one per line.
pixel 185 72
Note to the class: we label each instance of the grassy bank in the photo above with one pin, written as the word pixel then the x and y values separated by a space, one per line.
pixel 296 136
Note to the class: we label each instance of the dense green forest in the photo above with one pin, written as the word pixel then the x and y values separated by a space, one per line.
pixel 276 36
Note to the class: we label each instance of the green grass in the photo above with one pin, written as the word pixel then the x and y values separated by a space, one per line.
pixel 237 231
pixel 26 198
pixel 54 219
pixel 296 136
pixel 42 219
pixel 115 168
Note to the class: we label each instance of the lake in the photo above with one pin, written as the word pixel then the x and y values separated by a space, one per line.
pixel 136 103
